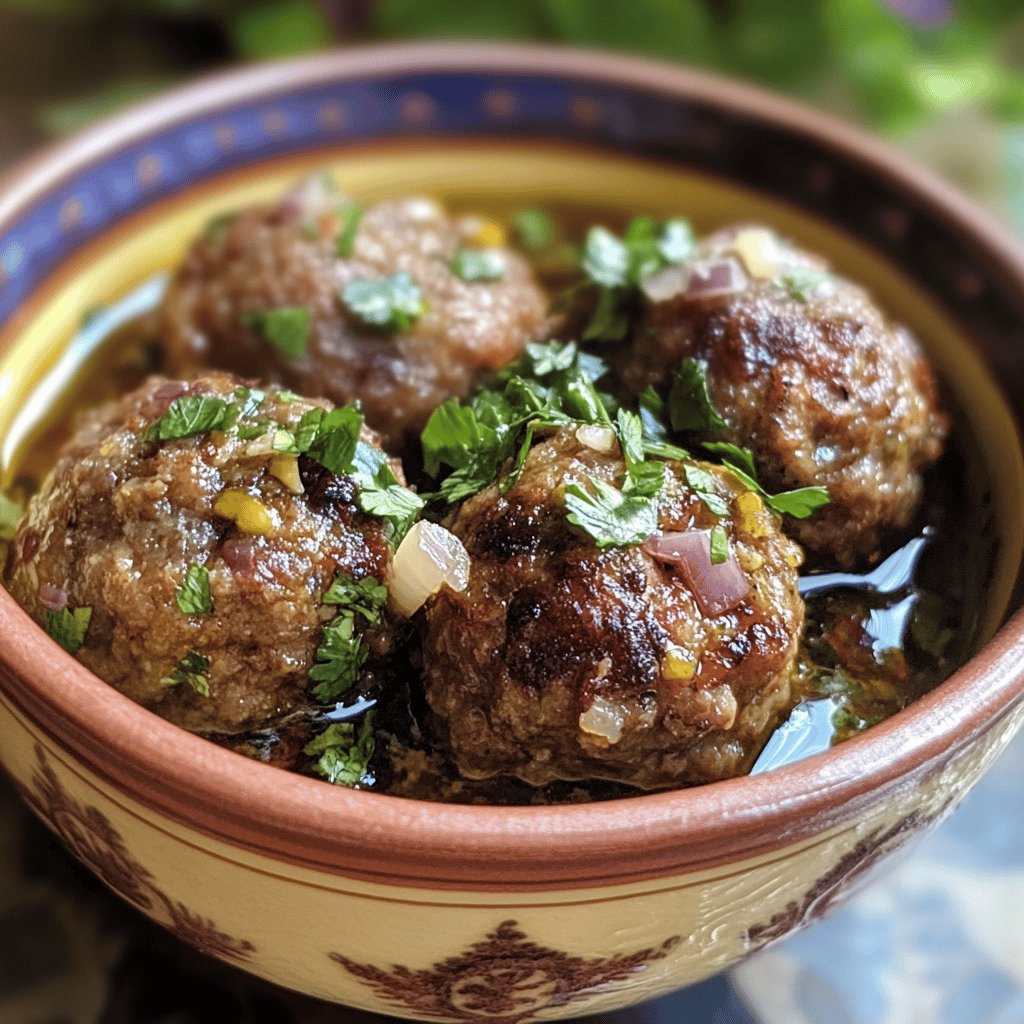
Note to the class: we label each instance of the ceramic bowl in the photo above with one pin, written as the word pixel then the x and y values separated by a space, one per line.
pixel 475 913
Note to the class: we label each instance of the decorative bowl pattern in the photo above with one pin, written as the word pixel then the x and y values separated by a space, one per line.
pixel 473 913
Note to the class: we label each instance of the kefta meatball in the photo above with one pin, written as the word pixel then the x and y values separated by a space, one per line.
pixel 400 306
pixel 643 664
pixel 191 571
pixel 808 373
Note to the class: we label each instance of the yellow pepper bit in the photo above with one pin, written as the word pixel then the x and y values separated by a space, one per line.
pixel 490 233
pixel 676 664
pixel 249 514
pixel 751 515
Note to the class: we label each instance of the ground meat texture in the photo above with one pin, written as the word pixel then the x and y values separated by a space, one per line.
pixel 813 378
pixel 287 255
pixel 565 662
pixel 120 520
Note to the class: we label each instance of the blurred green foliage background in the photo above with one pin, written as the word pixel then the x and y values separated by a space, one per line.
pixel 943 78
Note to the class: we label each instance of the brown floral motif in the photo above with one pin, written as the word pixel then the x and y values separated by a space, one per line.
pixel 840 881
pixel 503 979
pixel 90 836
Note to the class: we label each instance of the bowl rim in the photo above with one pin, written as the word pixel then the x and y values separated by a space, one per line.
pixel 397 841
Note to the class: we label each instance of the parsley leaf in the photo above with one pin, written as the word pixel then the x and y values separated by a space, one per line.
pixel 343 757
pixel 799 503
pixel 328 436
pixel 677 241
pixel 605 258
pixel 68 627
pixel 191 670
pixel 535 228
pixel 390 303
pixel 478 265
pixel 611 517
pixel 11 513
pixel 350 213
pixel 286 328
pixel 689 404
pixel 719 545
pixel 802 282
pixel 342 652
pixel 381 495
pixel 703 483
pixel 193 596
pixel 190 415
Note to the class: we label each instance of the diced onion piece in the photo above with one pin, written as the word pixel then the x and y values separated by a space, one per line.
pixel 604 718
pixel 260 446
pixel 52 598
pixel 286 469
pixel 665 284
pixel 600 439
pixel 428 558
pixel 248 513
pixel 758 248
pixel 715 278
pixel 717 588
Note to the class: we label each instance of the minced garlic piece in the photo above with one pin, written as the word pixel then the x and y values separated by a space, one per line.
pixel 286 469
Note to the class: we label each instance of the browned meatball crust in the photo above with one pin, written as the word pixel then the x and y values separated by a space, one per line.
pixel 287 256
pixel 120 520
pixel 563 661
pixel 814 378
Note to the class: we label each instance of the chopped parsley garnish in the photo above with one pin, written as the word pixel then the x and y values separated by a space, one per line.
pixel 552 385
pixel 719 545
pixel 535 229
pixel 343 756
pixel 193 414
pixel 192 671
pixel 381 495
pixel 478 265
pixel 193 596
pixel 248 400
pixel 350 213
pixel 703 483
pixel 342 652
pixel 802 282
pixel 285 328
pixel 617 267
pixel 798 503
pixel 611 516
pixel 328 436
pixel 689 404
pixel 390 303
pixel 11 513
pixel 68 627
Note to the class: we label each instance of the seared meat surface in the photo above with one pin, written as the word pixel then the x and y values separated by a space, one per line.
pixel 813 378
pixel 121 520
pixel 564 661
pixel 287 257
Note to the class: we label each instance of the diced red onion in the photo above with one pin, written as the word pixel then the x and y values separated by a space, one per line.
pixel 53 598
pixel 309 199
pixel 239 555
pixel 167 393
pixel 29 545
pixel 717 588
pixel 714 278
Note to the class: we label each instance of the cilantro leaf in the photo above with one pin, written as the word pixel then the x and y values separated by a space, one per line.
pixel 630 432
pixel 69 627
pixel 192 671
pixel 190 415
pixel 343 757
pixel 285 328
pixel 689 403
pixel 703 483
pixel 610 516
pixel 605 258
pixel 381 495
pixel 350 213
pixel 798 503
pixel 342 651
pixel 193 596
pixel 389 303
pixel 11 513
pixel 550 357
pixel 719 545
pixel 610 319
pixel 250 400
pixel 478 265
pixel 535 228
pixel 802 282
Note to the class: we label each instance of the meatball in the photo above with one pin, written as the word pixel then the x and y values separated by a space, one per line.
pixel 563 661
pixel 287 257
pixel 810 375
pixel 121 521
